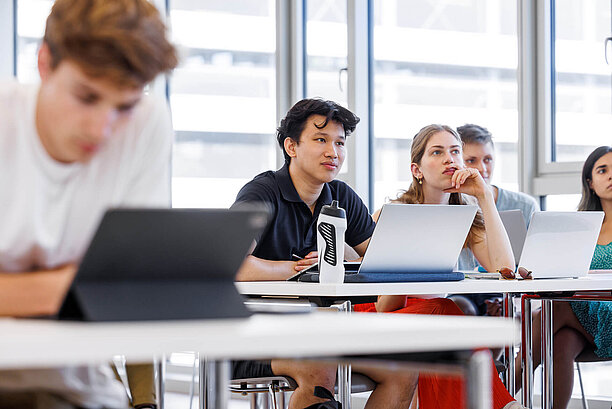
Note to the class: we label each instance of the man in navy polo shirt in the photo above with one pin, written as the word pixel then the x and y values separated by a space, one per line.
pixel 313 137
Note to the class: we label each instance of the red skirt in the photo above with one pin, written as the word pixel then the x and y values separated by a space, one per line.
pixel 443 392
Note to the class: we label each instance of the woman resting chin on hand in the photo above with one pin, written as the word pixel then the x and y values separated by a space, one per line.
pixel 440 177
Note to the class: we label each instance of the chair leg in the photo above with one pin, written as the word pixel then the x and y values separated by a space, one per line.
pixel 260 401
pixel 161 381
pixel 272 396
pixel 585 405
pixel 282 400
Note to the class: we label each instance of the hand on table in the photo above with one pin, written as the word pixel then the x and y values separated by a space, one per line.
pixel 310 259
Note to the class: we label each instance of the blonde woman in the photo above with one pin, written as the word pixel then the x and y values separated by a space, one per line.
pixel 440 177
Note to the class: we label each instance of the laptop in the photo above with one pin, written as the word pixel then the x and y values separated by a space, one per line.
pixel 561 244
pixel 164 264
pixel 414 243
pixel 514 223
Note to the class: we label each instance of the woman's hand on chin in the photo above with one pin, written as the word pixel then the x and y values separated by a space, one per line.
pixel 468 181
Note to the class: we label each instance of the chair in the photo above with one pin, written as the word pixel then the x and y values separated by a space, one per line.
pixel 264 390
pixel 588 355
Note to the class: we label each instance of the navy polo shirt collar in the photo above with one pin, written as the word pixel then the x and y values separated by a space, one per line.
pixel 287 189
pixel 286 186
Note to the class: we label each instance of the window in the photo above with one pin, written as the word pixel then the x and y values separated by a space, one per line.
pixel 327 53
pixel 31 18
pixel 326 42
pixel 222 98
pixel 582 79
pixel 442 62
pixel 562 203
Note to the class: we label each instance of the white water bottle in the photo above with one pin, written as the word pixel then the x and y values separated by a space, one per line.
pixel 331 226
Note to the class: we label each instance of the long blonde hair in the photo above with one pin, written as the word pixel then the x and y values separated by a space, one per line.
pixel 414 194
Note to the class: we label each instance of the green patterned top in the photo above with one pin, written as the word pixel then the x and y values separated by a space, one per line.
pixel 602 259
pixel 596 316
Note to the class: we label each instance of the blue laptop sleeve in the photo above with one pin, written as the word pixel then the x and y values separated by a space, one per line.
pixel 389 277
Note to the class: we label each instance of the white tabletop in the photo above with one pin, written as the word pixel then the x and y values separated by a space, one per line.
pixel 594 281
pixel 38 343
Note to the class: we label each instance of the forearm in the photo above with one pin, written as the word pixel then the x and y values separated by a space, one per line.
pixel 257 269
pixel 496 239
pixel 34 293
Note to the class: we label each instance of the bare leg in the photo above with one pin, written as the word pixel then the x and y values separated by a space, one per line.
pixel 568 344
pixel 307 375
pixel 394 389
pixel 563 316
pixel 465 304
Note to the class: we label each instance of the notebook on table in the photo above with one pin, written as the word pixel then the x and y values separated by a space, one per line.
pixel 412 243
pixel 161 264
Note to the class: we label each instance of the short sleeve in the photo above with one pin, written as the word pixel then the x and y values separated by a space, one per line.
pixel 531 206
pixel 256 193
pixel 360 224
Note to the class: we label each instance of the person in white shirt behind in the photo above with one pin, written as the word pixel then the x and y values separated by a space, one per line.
pixel 85 139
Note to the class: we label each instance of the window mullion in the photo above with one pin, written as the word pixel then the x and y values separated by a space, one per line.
pixel 359 25
pixel 528 145
pixel 290 58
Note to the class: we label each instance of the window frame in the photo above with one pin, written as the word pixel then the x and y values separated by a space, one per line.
pixel 544 175
pixel 538 175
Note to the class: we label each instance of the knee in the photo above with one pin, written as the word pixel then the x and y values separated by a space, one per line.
pixel 397 380
pixel 568 344
pixel 311 375
pixel 465 305
pixel 400 386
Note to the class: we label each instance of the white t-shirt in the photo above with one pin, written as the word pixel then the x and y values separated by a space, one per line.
pixel 49 211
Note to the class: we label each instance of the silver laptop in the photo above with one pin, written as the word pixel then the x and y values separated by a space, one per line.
pixel 561 244
pixel 418 238
pixel 514 223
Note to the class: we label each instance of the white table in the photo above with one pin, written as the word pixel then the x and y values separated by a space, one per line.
pixel 599 281
pixel 45 343
pixel 596 281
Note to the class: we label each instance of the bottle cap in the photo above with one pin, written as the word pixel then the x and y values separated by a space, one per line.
pixel 333 210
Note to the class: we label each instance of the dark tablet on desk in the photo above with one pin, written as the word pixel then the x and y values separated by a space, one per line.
pixel 164 264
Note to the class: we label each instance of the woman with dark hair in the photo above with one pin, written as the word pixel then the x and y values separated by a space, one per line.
pixel 583 324
pixel 440 177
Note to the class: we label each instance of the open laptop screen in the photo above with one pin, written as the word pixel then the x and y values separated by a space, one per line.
pixel 418 238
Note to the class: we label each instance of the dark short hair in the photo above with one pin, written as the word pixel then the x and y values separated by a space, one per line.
pixel 471 133
pixel 589 200
pixel 293 124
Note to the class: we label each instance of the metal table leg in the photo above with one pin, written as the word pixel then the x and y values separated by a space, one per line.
pixel 478 380
pixel 547 354
pixel 526 352
pixel 509 351
pixel 214 384
pixel 160 374
pixel 344 371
